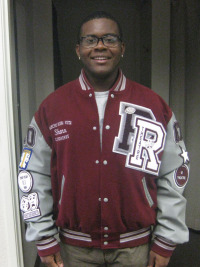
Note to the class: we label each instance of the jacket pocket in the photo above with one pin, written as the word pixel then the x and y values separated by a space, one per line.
pixel 61 191
pixel 148 196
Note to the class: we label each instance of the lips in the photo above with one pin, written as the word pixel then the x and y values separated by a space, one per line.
pixel 100 58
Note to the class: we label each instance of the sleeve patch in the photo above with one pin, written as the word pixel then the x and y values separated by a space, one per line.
pixel 30 137
pixel 25 181
pixel 184 155
pixel 177 133
pixel 25 158
pixel 181 176
pixel 29 205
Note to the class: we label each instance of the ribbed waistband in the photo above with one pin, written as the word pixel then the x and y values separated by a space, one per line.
pixel 123 240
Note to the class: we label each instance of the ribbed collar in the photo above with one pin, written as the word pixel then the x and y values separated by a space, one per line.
pixel 119 85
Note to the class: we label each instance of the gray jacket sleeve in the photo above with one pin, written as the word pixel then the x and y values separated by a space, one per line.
pixel 34 180
pixel 173 176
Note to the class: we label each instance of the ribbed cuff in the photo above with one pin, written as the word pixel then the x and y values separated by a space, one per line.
pixel 47 246
pixel 163 246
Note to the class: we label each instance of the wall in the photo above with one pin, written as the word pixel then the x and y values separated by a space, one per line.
pixel 192 109
pixel 34 47
pixel 160 68
pixel 10 246
pixel 185 93
pixel 135 19
pixel 35 55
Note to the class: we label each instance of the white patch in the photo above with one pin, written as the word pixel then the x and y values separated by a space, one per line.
pixel 130 110
pixel 29 205
pixel 148 143
pixel 25 158
pixel 184 155
pixel 25 181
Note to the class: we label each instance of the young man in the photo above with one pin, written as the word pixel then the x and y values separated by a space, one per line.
pixel 105 163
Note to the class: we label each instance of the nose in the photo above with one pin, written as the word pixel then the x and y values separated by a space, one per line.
pixel 100 44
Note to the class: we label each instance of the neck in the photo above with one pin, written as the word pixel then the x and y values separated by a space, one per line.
pixel 102 83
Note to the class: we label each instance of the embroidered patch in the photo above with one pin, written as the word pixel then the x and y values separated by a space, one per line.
pixel 177 133
pixel 60 123
pixel 181 176
pixel 25 181
pixel 29 205
pixel 130 110
pixel 140 138
pixel 184 155
pixel 31 136
pixel 60 130
pixel 25 158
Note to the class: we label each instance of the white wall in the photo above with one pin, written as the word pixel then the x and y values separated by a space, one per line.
pixel 10 245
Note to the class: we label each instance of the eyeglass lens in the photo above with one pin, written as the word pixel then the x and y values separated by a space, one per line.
pixel 92 41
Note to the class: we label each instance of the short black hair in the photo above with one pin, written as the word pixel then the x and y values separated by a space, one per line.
pixel 99 15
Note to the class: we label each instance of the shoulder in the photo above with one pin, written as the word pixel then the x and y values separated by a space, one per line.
pixel 61 92
pixel 149 99
pixel 60 97
pixel 140 89
pixel 54 102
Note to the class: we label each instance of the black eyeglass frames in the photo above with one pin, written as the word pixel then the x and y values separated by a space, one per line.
pixel 109 40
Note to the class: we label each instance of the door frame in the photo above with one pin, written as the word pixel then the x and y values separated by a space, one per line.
pixel 11 243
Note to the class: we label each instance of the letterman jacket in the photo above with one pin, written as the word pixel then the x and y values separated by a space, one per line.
pixel 119 195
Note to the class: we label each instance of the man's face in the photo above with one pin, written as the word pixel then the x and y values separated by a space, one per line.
pixel 100 61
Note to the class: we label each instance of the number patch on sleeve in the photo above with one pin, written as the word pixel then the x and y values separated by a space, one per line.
pixel 25 158
pixel 30 137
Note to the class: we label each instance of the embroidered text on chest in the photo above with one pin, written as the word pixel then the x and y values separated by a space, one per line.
pixel 141 138
pixel 59 130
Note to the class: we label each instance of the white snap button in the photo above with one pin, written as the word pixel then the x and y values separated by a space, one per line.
pixel 105 162
pixel 107 127
pixel 105 199
pixel 94 128
pixel 106 236
pixel 112 95
pixel 99 199
pixel 105 243
pixel 90 95
pixel 106 228
pixel 97 161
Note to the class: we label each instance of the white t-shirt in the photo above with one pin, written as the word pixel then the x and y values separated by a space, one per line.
pixel 101 100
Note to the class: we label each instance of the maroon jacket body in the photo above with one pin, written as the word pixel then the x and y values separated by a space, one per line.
pixel 105 197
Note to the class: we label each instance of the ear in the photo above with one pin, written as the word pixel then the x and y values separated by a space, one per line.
pixel 123 48
pixel 78 50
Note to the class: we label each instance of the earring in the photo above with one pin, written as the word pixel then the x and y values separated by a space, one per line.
pixel 79 58
pixel 122 56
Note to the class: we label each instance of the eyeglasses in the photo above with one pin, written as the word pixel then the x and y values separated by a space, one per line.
pixel 109 40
